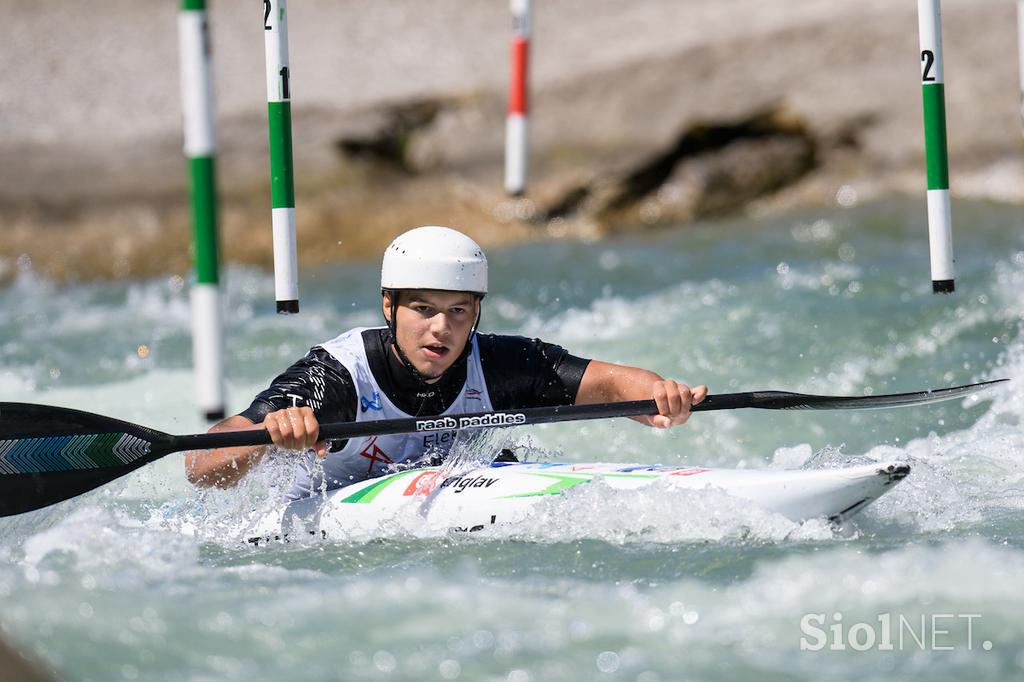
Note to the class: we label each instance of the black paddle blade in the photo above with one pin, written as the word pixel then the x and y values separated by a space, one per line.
pixel 50 454
pixel 782 400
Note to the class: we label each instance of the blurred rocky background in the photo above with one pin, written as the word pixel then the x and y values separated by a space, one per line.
pixel 643 114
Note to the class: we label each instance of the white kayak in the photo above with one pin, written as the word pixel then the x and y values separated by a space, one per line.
pixel 504 493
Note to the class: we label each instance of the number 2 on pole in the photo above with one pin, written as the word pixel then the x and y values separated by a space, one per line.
pixel 266 15
pixel 928 57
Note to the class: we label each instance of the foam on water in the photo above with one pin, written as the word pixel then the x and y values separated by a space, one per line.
pixel 658 513
pixel 557 626
pixel 150 578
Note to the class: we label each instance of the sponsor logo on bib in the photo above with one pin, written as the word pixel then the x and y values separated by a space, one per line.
pixel 491 419
pixel 374 404
pixel 375 454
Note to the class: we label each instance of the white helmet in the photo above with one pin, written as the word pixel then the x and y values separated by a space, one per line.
pixel 434 257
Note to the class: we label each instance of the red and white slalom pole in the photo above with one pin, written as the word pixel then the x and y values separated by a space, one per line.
pixel 516 146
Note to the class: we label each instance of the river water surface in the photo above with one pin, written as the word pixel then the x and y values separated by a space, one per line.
pixel 150 579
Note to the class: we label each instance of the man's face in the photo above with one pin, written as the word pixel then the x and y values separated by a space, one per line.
pixel 433 327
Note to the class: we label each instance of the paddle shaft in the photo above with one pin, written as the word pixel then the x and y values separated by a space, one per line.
pixel 764 400
pixel 49 454
pixel 384 427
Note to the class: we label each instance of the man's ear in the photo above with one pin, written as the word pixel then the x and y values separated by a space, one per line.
pixel 386 305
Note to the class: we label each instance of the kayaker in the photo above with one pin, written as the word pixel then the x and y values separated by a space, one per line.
pixel 428 360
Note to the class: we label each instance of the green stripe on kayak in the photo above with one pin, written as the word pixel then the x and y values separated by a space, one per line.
pixel 561 484
pixel 367 494
pixel 567 482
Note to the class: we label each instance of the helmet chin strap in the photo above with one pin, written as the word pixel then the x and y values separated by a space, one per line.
pixel 393 328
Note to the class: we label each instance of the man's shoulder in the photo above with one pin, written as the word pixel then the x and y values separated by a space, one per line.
pixel 350 343
pixel 318 380
pixel 508 348
pixel 527 372
pixel 509 341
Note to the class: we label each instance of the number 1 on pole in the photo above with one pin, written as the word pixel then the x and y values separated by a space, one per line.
pixel 940 226
pixel 282 182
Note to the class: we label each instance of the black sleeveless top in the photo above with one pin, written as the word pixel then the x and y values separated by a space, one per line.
pixel 519 373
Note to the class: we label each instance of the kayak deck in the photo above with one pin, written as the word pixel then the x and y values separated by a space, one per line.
pixel 506 492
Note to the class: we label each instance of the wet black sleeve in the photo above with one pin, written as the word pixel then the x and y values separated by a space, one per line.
pixel 317 380
pixel 522 372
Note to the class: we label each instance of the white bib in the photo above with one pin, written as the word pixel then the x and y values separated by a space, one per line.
pixel 368 457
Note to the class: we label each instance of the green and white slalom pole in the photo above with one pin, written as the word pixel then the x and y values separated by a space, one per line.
pixel 200 148
pixel 282 182
pixel 940 227
pixel 516 138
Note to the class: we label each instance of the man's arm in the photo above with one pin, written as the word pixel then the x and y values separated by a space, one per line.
pixel 604 382
pixel 293 428
pixel 316 387
pixel 224 467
